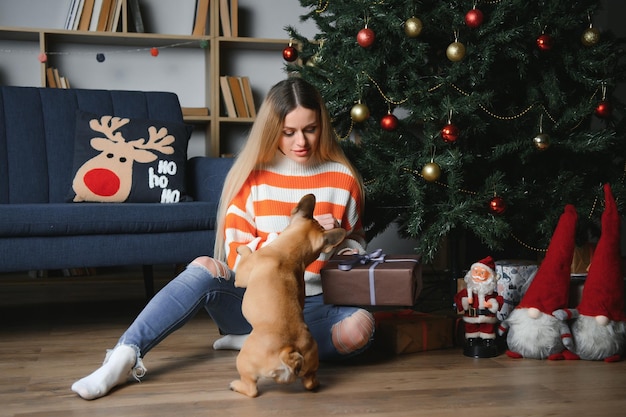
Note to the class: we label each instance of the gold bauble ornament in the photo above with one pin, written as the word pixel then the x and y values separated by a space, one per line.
pixel 455 51
pixel 431 171
pixel 590 36
pixel 413 27
pixel 542 141
pixel 359 112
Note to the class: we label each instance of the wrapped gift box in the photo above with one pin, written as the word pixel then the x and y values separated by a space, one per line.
pixel 409 331
pixel 515 277
pixel 394 281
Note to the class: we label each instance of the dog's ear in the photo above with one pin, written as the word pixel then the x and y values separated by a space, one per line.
pixel 305 206
pixel 332 238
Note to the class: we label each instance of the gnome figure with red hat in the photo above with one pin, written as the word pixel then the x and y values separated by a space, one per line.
pixel 480 302
pixel 599 329
pixel 537 327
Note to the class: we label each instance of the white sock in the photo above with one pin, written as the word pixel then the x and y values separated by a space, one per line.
pixel 230 342
pixel 113 372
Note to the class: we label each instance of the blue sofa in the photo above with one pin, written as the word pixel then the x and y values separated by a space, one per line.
pixel 40 229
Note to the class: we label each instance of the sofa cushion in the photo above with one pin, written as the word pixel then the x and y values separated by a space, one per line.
pixel 133 160
pixel 63 219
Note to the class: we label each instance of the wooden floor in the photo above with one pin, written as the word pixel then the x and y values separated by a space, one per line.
pixel 55 330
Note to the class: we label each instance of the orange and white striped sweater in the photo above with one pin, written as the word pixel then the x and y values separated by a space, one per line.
pixel 264 203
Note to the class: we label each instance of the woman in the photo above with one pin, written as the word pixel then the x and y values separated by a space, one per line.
pixel 291 151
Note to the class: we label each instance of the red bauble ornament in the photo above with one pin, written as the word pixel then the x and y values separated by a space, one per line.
pixel 290 53
pixel 545 42
pixel 497 205
pixel 389 122
pixel 474 18
pixel 365 37
pixel 603 109
pixel 154 51
pixel 450 133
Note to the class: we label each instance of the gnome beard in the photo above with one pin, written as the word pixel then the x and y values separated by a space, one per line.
pixel 596 341
pixel 533 334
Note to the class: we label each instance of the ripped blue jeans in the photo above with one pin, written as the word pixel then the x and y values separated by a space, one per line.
pixel 196 288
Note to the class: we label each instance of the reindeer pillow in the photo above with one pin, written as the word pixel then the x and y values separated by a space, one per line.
pixel 118 159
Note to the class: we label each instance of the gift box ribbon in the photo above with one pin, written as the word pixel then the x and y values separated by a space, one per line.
pixel 377 257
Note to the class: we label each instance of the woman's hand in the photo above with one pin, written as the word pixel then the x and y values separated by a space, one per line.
pixel 327 221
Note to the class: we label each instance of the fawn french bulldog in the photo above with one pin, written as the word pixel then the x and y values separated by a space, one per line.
pixel 280 345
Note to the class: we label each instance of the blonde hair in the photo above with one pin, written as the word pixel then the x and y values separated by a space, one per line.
pixel 263 140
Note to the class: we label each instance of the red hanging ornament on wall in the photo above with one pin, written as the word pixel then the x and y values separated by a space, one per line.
pixel 497 205
pixel 154 52
pixel 474 18
pixel 366 37
pixel 545 42
pixel 389 122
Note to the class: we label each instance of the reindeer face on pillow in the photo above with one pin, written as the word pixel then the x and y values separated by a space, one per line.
pixel 129 160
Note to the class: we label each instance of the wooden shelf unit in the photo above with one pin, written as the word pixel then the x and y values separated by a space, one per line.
pixel 197 85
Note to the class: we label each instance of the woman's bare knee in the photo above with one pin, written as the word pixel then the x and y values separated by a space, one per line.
pixel 217 268
pixel 354 332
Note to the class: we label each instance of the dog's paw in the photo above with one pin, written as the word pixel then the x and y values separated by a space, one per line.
pixel 239 386
pixel 310 382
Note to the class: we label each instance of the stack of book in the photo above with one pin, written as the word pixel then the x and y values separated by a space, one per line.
pixel 95 15
pixel 238 97
pixel 229 17
pixel 55 80
pixel 106 16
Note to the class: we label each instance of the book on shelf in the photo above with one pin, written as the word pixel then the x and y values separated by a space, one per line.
pixel 65 83
pixel 114 16
pixel 95 15
pixel 52 82
pixel 247 93
pixel 202 13
pixel 57 77
pixel 85 16
pixel 76 10
pixel 225 18
pixel 55 80
pixel 228 97
pixel 195 111
pixel 234 18
pixel 237 92
pixel 135 14
pixel 104 15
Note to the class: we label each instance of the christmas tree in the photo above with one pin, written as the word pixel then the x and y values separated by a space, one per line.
pixel 480 118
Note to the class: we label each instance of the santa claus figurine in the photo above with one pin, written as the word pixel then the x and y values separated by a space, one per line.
pixel 537 327
pixel 599 330
pixel 480 302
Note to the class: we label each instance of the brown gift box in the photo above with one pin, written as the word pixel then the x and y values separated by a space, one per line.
pixel 409 331
pixel 396 282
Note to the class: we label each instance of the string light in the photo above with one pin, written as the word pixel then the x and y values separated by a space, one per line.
pixel 46 54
